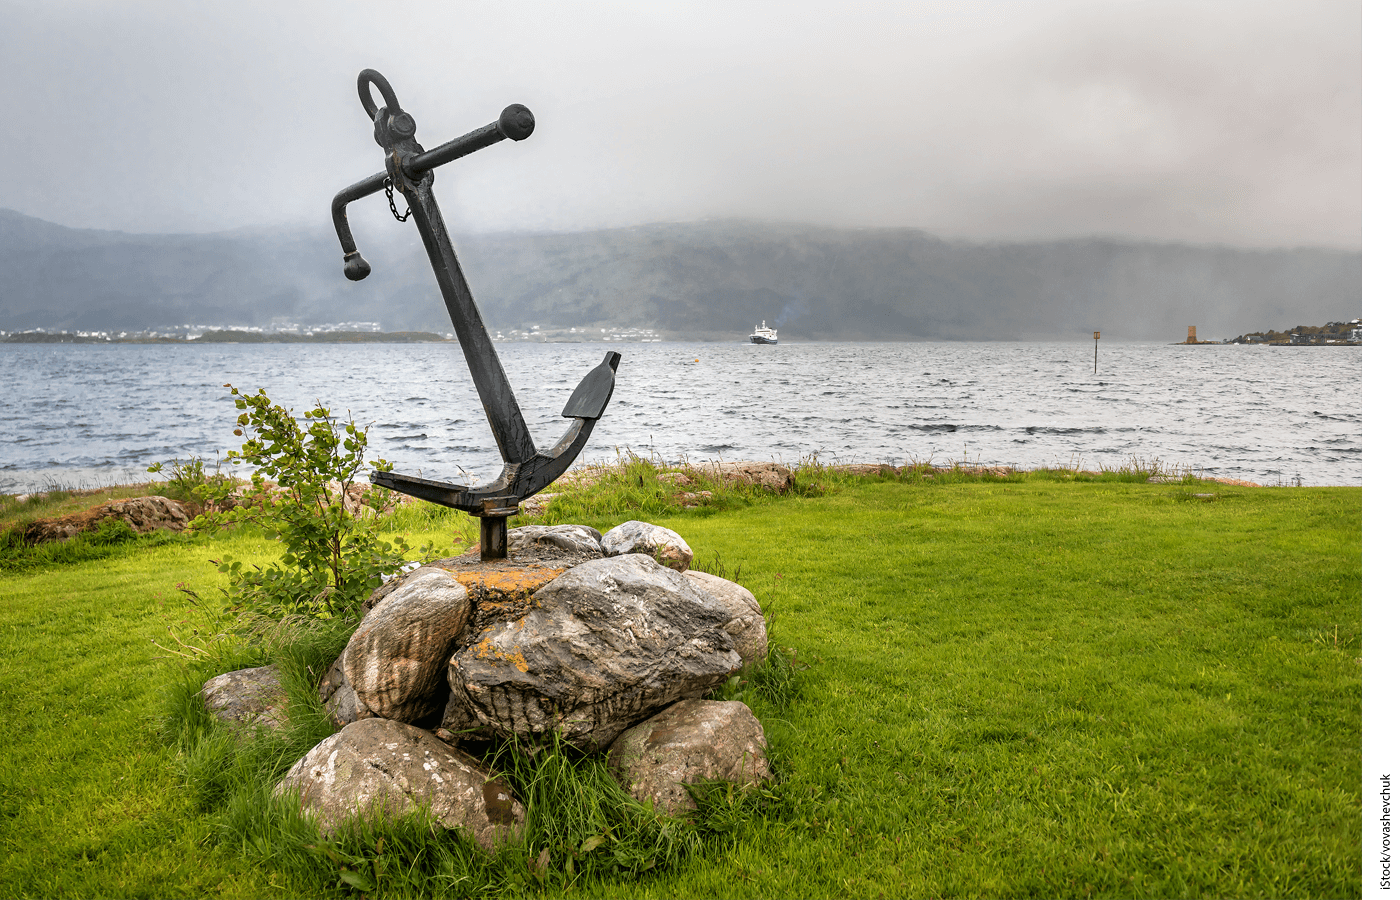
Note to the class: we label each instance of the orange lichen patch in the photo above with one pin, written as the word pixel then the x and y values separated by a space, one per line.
pixel 505 585
pixel 502 591
pixel 489 651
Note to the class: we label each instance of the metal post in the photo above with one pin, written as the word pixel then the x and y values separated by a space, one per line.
pixel 494 514
pixel 1096 353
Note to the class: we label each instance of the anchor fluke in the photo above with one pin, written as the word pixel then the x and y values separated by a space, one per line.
pixel 591 396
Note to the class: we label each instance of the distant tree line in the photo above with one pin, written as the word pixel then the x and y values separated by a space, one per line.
pixel 1304 334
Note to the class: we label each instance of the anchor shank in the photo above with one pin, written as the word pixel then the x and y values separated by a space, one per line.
pixel 502 411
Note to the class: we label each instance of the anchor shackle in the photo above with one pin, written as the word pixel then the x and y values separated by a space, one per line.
pixel 394 129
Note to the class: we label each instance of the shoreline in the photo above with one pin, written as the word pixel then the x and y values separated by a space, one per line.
pixel 583 473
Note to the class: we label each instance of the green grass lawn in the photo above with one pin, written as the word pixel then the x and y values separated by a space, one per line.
pixel 1028 687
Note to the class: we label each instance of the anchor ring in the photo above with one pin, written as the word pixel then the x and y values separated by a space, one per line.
pixel 391 102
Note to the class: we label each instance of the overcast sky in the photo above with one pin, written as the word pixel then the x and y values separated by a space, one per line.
pixel 1235 122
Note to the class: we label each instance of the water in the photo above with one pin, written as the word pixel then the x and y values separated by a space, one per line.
pixel 91 415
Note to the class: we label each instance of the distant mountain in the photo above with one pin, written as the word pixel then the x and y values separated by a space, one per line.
pixel 706 280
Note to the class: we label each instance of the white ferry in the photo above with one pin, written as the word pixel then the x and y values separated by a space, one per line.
pixel 764 335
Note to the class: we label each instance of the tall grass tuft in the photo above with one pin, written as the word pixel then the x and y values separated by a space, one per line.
pixel 110 538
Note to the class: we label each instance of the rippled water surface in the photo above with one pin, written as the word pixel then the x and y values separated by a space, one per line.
pixel 80 415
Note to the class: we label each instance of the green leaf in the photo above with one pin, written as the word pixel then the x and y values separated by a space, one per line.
pixel 591 844
pixel 356 880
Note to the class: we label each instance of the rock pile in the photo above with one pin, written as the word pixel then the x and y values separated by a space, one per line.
pixel 605 640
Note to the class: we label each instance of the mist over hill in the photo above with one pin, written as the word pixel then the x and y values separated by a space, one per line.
pixel 705 280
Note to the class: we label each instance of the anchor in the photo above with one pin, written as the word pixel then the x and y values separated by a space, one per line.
pixel 409 170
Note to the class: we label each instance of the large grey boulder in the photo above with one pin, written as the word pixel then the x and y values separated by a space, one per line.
pixel 747 626
pixel 661 544
pixel 693 740
pixel 376 764
pixel 396 658
pixel 247 697
pixel 608 643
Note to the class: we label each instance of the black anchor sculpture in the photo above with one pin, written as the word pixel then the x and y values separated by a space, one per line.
pixel 527 470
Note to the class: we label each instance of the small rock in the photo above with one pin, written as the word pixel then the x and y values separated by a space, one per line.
pixel 865 469
pixel 562 546
pixel 747 628
pixel 661 544
pixel 771 476
pixel 354 495
pixel 693 740
pixel 378 764
pixel 247 697
pixel 570 538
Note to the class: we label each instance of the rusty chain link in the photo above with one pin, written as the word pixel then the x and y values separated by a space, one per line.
pixel 389 192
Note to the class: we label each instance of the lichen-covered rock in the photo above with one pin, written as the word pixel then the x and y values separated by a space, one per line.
pixel 769 475
pixel 250 697
pixel 376 764
pixel 396 658
pixel 661 544
pixel 571 538
pixel 501 589
pixel 693 740
pixel 142 514
pixel 747 627
pixel 608 643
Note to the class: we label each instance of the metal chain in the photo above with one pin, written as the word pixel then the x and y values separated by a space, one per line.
pixel 389 192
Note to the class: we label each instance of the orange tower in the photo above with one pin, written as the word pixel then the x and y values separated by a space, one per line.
pixel 1190 334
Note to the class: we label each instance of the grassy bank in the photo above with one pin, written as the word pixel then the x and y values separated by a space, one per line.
pixel 1021 686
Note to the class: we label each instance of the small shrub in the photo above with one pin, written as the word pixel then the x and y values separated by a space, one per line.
pixel 190 482
pixel 302 495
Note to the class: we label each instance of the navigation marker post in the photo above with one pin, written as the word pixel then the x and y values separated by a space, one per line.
pixel 1096 353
